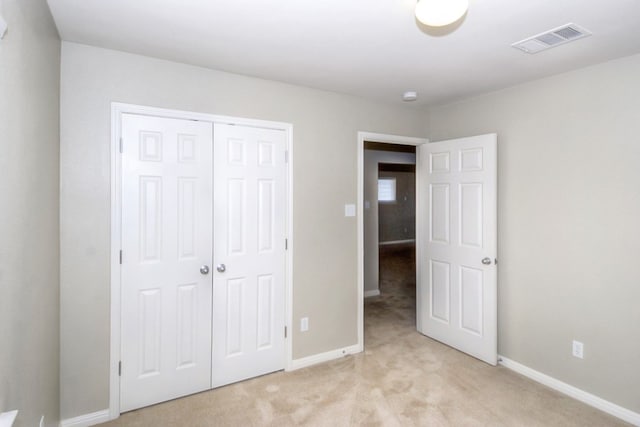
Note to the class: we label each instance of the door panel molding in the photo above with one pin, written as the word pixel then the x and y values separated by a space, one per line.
pixel 185 153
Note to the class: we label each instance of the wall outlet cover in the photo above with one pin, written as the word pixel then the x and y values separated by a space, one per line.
pixel 578 349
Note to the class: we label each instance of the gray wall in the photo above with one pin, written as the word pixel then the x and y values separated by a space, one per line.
pixel 371 228
pixel 397 221
pixel 325 139
pixel 29 256
pixel 568 212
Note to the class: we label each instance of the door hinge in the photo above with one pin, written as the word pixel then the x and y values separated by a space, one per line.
pixel 120 368
pixel 286 156
pixel 285 331
pixel 286 244
pixel 120 256
pixel 121 145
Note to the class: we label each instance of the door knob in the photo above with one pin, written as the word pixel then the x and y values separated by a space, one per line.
pixel 221 268
pixel 204 269
pixel 486 261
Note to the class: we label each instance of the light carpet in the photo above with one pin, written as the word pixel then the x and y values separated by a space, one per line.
pixel 401 379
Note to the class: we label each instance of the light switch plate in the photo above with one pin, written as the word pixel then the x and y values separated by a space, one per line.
pixel 349 210
pixel 3 27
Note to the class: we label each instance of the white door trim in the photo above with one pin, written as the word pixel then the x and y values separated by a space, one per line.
pixel 388 139
pixel 117 110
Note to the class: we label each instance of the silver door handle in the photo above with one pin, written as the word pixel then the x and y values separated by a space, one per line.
pixel 221 268
pixel 486 261
pixel 204 269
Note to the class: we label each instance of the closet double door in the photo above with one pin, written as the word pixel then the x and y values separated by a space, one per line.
pixel 203 256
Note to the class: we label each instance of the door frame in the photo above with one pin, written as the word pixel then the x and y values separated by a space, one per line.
pixel 387 139
pixel 117 110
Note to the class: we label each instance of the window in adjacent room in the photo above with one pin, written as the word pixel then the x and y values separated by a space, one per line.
pixel 386 190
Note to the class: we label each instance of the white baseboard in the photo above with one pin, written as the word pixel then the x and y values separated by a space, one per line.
pixel 578 394
pixel 372 293
pixel 87 420
pixel 396 242
pixel 324 357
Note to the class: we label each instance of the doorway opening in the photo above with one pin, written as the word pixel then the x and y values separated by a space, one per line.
pixel 390 232
pixel 389 239
pixel 456 241
pixel 396 249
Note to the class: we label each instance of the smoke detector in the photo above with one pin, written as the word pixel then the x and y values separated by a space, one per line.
pixel 552 38
pixel 410 95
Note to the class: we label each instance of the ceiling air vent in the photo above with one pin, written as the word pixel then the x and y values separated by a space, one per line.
pixel 552 38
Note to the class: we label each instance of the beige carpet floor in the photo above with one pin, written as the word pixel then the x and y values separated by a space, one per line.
pixel 401 379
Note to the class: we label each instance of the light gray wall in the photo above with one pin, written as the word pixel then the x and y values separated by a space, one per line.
pixel 371 231
pixel 568 219
pixel 325 153
pixel 29 256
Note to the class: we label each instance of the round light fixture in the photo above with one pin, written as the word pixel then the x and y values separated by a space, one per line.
pixel 437 13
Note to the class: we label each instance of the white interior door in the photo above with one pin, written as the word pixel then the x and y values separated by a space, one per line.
pixel 457 246
pixel 166 238
pixel 249 247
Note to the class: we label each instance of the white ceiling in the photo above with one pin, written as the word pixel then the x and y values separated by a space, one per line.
pixel 368 48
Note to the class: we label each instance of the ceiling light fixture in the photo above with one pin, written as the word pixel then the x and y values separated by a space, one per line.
pixel 438 13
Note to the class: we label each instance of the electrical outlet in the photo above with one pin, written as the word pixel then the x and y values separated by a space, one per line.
pixel 304 324
pixel 578 349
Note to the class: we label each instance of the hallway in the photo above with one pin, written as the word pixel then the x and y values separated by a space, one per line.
pixel 396 306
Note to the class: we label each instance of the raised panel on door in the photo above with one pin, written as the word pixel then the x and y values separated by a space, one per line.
pixel 471 300
pixel 234 297
pixel 457 291
pixel 187 218
pixel 150 243
pixel 266 214
pixel 440 219
pixel 166 237
pixel 187 325
pixel 266 332
pixel 150 329
pixel 248 324
pixel 236 227
pixel 440 290
pixel 470 207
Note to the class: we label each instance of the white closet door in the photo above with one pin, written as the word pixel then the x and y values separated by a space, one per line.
pixel 166 238
pixel 457 246
pixel 249 248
